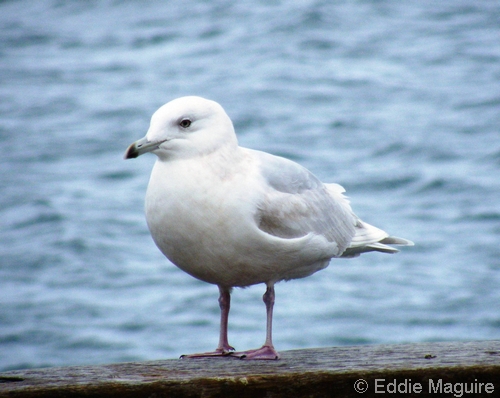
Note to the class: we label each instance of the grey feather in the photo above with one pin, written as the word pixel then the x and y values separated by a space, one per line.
pixel 297 203
pixel 393 240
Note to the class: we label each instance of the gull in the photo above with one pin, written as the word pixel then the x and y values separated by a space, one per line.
pixel 236 217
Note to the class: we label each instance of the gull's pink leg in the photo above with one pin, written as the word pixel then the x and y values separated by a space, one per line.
pixel 223 349
pixel 267 351
pixel 225 305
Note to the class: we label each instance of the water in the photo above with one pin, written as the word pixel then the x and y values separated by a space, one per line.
pixel 397 101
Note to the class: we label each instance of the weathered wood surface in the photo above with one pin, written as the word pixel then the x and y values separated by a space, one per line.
pixel 301 373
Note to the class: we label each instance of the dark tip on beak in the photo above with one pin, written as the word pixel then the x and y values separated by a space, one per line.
pixel 140 147
pixel 132 152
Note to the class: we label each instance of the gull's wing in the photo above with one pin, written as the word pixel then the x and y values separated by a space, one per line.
pixel 296 203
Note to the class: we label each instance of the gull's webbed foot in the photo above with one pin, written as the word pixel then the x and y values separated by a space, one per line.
pixel 264 352
pixel 219 352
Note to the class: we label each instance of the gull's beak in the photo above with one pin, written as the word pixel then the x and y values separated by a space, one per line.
pixel 140 147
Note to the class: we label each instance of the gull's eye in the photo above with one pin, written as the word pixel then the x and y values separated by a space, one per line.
pixel 185 123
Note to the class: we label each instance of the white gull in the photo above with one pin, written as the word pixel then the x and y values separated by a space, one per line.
pixel 236 217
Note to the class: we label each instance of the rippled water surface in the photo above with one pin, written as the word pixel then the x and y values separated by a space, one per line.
pixel 397 101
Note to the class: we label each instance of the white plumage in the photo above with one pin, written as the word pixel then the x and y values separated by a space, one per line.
pixel 233 216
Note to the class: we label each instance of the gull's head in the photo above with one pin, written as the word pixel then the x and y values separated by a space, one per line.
pixel 185 127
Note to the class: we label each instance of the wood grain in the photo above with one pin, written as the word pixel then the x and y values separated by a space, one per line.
pixel 321 372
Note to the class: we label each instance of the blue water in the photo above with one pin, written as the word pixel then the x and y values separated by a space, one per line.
pixel 397 101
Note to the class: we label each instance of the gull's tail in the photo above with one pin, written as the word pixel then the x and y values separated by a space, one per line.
pixel 369 239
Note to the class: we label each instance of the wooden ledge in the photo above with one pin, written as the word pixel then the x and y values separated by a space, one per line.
pixel 322 372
